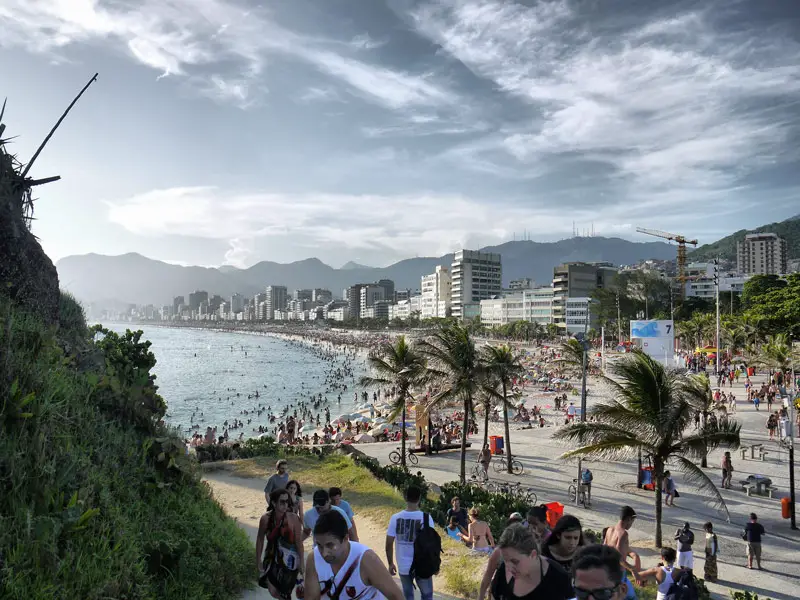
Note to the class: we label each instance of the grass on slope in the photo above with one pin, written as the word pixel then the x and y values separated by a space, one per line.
pixel 89 507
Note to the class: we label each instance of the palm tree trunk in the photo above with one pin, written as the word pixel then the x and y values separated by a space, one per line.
pixel 464 426
pixel 658 472
pixel 507 429
pixel 704 460
pixel 486 423
pixel 403 435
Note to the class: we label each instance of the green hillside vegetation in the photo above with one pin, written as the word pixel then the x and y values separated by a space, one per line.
pixel 726 247
pixel 97 497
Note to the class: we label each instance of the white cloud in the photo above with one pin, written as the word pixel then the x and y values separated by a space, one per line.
pixel 183 37
pixel 669 101
pixel 430 224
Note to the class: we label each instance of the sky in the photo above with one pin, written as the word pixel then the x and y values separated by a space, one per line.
pixel 230 131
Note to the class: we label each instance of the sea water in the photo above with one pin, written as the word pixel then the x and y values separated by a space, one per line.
pixel 213 373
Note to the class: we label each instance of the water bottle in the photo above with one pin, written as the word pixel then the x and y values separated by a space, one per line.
pixel 300 591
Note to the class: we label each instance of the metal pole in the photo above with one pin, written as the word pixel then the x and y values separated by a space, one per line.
pixel 619 321
pixel 603 348
pixel 792 521
pixel 585 344
pixel 716 282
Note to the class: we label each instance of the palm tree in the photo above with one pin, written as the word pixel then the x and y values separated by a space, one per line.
pixel 503 366
pixel 733 335
pixel 454 363
pixel 572 356
pixel 697 329
pixel 777 353
pixel 701 397
pixel 650 413
pixel 400 366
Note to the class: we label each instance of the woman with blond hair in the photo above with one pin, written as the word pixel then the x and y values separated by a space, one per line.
pixel 479 535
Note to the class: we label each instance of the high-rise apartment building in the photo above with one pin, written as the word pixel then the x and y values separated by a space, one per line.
pixel 177 303
pixel 196 298
pixel 277 297
pixel 237 303
pixel 475 276
pixel 762 254
pixel 388 289
pixel 370 295
pixel 305 295
pixel 436 293
pixel 577 280
pixel 353 298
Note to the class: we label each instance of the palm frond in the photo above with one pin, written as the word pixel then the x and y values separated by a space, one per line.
pixel 699 480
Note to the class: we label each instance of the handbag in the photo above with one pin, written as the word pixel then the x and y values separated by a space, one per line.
pixel 677 495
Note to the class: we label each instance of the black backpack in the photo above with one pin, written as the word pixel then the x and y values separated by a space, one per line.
pixel 427 551
pixel 683 588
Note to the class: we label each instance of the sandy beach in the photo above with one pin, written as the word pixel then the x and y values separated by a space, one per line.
pixel 614 486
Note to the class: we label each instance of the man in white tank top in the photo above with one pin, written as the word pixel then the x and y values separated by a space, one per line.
pixel 339 569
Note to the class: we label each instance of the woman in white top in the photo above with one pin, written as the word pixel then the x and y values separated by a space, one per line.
pixel 664 574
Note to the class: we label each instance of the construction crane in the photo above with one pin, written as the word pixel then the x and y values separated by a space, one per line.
pixel 681 241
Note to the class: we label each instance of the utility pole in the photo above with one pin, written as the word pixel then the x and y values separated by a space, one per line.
pixel 716 286
pixel 585 344
pixel 619 321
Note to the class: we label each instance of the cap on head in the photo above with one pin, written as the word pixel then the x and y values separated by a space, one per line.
pixel 321 498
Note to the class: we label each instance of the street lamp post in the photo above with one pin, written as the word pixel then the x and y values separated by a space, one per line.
pixel 716 286
pixel 581 337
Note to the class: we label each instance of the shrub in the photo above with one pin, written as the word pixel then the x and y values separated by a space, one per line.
pixel 97 499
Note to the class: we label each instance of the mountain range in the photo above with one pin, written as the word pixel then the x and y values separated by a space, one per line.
pixel 102 281
pixel 788 229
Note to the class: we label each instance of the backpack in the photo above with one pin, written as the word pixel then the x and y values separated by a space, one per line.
pixel 427 551
pixel 586 476
pixel 683 588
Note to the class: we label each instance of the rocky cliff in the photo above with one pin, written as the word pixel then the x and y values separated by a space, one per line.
pixel 27 275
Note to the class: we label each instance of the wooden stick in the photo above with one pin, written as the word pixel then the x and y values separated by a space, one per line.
pixel 53 130
pixel 35 182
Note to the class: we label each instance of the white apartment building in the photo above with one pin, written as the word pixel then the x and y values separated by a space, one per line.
pixel 762 254
pixel 276 298
pixel 534 306
pixel 475 276
pixel 436 294
pixel 237 303
pixel 577 315
pixel 701 284
pixel 370 295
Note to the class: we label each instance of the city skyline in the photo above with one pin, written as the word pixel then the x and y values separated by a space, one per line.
pixel 222 132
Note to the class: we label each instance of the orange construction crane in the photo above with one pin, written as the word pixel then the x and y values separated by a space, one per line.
pixel 682 241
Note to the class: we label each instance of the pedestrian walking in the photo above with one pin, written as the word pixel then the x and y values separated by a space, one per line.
pixel 278 480
pixel 281 563
pixel 669 489
pixel 335 494
pixel 321 504
pixel 458 512
pixel 752 534
pixel 340 568
pixel 685 539
pixel 404 528
pixel 664 574
pixel 712 551
pixel 599 573
pixel 524 572
pixel 617 538
pixel 727 470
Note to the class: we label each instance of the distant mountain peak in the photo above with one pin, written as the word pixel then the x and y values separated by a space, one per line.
pixel 350 265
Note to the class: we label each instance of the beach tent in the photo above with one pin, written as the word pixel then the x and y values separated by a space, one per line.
pixel 364 438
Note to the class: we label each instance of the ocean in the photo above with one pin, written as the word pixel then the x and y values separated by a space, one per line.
pixel 211 374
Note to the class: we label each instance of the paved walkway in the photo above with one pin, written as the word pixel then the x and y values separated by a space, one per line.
pixel 614 486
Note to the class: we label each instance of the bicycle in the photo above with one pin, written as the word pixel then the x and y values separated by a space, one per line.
pixel 574 489
pixel 479 473
pixel 396 458
pixel 515 490
pixel 501 466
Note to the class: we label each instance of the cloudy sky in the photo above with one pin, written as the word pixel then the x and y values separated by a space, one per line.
pixel 233 131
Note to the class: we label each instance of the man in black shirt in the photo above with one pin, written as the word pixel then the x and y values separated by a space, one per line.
pixel 459 513
pixel 752 535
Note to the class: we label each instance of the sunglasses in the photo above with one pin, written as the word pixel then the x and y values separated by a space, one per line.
pixel 597 594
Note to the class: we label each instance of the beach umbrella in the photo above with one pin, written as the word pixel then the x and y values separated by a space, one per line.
pixel 342 435
pixel 361 419
pixel 377 430
pixel 364 439
pixel 347 442
pixel 309 427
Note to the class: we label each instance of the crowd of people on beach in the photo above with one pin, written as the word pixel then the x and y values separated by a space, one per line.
pixel 536 557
